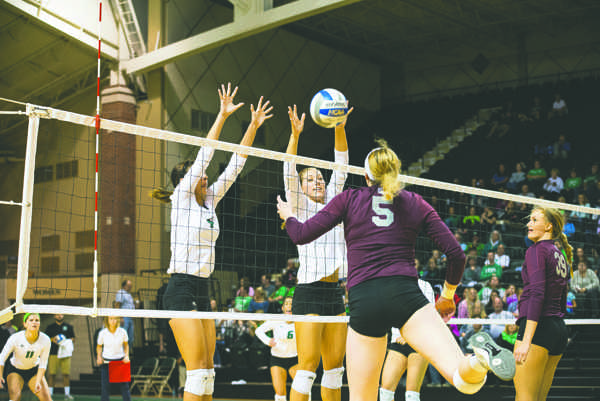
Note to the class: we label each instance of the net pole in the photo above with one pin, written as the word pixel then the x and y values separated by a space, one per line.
pixel 95 267
pixel 26 209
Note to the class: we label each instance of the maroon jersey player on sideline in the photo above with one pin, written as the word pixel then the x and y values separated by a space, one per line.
pixel 381 224
pixel 543 335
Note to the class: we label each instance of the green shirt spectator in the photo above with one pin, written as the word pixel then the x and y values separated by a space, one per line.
pixel 488 271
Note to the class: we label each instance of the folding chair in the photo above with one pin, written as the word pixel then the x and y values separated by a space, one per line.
pixel 143 374
pixel 160 380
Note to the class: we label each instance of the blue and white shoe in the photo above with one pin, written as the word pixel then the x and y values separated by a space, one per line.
pixel 497 359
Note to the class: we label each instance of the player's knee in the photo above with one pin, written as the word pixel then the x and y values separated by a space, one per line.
pixel 200 381
pixel 464 387
pixel 332 378
pixel 303 381
pixel 280 397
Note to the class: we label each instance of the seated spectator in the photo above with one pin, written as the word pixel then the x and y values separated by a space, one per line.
pixel 592 178
pixel 559 107
pixel 498 313
pixel 537 110
pixel 573 186
pixel 500 178
pixel 459 238
pixel 516 178
pixel 492 284
pixel 452 220
pixel 569 228
pixel 290 272
pixel 581 217
pixel 489 306
pixel 554 185
pixel 593 194
pixel 259 302
pixel 581 256
pixel 513 302
pixel 472 221
pixel 467 303
pixel 245 283
pixel 510 295
pixel 494 241
pixel 432 272
pixel 511 218
pixel 467 331
pixel 472 272
pixel 476 245
pixel 508 337
pixel 277 297
pixel 266 284
pixel 562 147
pixel 536 177
pixel 488 219
pixel 242 300
pixel 585 286
pixel 501 258
pixel 440 259
pixel 490 268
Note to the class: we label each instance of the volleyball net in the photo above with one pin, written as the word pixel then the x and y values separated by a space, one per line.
pixel 56 268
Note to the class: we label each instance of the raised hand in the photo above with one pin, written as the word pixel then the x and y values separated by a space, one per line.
pixel 342 124
pixel 296 123
pixel 226 96
pixel 284 209
pixel 261 113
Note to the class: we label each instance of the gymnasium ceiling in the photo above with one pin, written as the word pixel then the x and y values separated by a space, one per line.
pixel 42 65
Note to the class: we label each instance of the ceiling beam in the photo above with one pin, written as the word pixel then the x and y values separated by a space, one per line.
pixel 242 27
pixel 66 27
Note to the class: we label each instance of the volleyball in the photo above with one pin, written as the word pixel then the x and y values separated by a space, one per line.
pixel 328 107
pixel 60 338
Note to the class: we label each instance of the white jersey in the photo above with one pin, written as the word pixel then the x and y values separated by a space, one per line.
pixel 112 343
pixel 326 254
pixel 195 228
pixel 429 294
pixel 285 338
pixel 26 355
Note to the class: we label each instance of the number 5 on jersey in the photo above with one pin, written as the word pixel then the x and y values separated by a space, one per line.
pixel 383 217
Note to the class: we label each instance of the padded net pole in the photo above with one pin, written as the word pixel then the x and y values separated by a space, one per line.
pixel 26 208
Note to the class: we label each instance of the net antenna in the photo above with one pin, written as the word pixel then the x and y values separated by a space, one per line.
pixel 96 180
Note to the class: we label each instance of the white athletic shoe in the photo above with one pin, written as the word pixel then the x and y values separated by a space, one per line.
pixel 497 359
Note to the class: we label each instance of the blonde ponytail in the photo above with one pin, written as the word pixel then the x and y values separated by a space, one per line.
pixel 161 194
pixel 556 218
pixel 384 165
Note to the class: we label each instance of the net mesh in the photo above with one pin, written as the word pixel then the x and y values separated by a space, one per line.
pixel 135 228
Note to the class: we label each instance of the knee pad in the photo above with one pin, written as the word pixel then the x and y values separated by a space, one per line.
pixel 280 397
pixel 200 381
pixel 303 381
pixel 386 395
pixel 332 378
pixel 464 387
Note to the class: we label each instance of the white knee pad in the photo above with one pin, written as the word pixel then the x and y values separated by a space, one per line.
pixel 332 378
pixel 386 395
pixel 412 396
pixel 303 381
pixel 464 387
pixel 200 381
pixel 280 397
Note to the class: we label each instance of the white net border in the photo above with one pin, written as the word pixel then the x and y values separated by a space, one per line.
pixel 35 112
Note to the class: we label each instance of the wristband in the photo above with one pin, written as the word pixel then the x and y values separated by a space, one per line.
pixel 448 293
